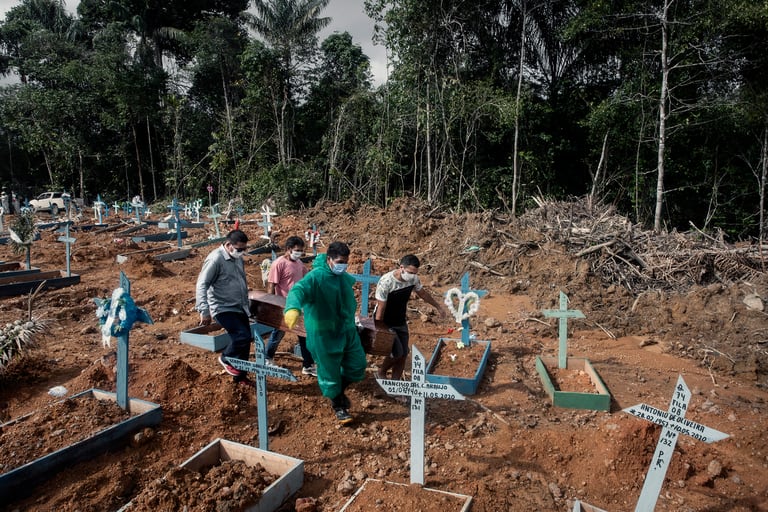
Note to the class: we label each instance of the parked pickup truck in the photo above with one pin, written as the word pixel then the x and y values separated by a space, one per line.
pixel 53 202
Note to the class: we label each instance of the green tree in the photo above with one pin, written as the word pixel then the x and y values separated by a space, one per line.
pixel 290 27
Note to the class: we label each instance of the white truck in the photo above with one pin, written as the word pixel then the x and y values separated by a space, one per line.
pixel 53 202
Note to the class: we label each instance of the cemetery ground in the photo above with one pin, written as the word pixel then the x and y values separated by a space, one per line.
pixel 689 310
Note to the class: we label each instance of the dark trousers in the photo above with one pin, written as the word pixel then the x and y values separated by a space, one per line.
pixel 239 330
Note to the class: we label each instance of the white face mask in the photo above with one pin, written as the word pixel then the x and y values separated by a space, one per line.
pixel 236 253
pixel 407 276
pixel 296 255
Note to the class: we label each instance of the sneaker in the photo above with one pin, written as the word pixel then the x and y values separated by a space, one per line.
pixel 229 368
pixel 310 370
pixel 343 415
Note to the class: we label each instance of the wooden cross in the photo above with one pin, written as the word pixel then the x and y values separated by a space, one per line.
pixel 175 207
pixel 465 335
pixel 262 371
pixel 67 242
pixel 121 298
pixel 215 216
pixel 97 206
pixel 419 390
pixel 563 314
pixel 367 279
pixel 673 423
pixel 267 214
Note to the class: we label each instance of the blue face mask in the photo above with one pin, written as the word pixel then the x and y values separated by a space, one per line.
pixel 339 268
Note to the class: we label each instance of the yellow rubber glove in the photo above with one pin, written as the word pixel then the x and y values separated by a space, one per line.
pixel 291 317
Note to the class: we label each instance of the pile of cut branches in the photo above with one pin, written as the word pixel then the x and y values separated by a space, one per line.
pixel 624 253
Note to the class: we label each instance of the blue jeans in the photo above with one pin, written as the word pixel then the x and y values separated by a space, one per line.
pixel 239 329
pixel 274 341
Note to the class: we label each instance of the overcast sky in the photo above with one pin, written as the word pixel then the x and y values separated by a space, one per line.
pixel 346 15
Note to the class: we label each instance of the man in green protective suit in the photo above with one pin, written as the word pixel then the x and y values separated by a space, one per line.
pixel 327 298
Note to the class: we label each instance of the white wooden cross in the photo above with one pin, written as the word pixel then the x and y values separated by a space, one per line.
pixel 673 423
pixel 98 204
pixel 563 314
pixel 419 390
pixel 267 214
pixel 262 371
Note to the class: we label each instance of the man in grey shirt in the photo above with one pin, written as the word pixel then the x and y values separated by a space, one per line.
pixel 222 294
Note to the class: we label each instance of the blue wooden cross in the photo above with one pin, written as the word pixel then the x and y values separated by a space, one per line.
pixel 563 314
pixel 215 216
pixel 418 390
pixel 117 316
pixel 175 207
pixel 465 289
pixel 367 279
pixel 262 371
pixel 68 241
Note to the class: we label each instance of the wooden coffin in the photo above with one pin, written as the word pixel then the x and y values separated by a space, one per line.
pixel 268 309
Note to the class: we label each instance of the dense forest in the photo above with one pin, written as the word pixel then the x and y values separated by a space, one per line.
pixel 660 108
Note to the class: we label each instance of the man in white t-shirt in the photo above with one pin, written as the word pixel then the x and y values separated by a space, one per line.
pixel 392 293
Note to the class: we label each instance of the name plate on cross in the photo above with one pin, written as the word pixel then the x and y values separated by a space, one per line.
pixel 418 390
pixel 673 423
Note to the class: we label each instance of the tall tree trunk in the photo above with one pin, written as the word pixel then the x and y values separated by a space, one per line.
pixel 518 99
pixel 48 166
pixel 151 163
pixel 663 98
pixel 429 151
pixel 82 178
pixel 763 178
pixel 138 161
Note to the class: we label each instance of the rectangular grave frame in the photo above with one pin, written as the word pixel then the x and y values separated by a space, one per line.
pixel 21 481
pixel 16 268
pixel 25 283
pixel 465 508
pixel 291 470
pixel 600 401
pixel 199 337
pixel 465 386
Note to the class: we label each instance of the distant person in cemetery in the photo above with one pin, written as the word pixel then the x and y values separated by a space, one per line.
pixel 221 294
pixel 392 293
pixel 284 272
pixel 4 202
pixel 327 297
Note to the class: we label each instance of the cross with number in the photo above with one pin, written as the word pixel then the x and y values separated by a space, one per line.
pixel 465 322
pixel 673 423
pixel 367 279
pixel 67 242
pixel 563 314
pixel 175 207
pixel 262 371
pixel 419 390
